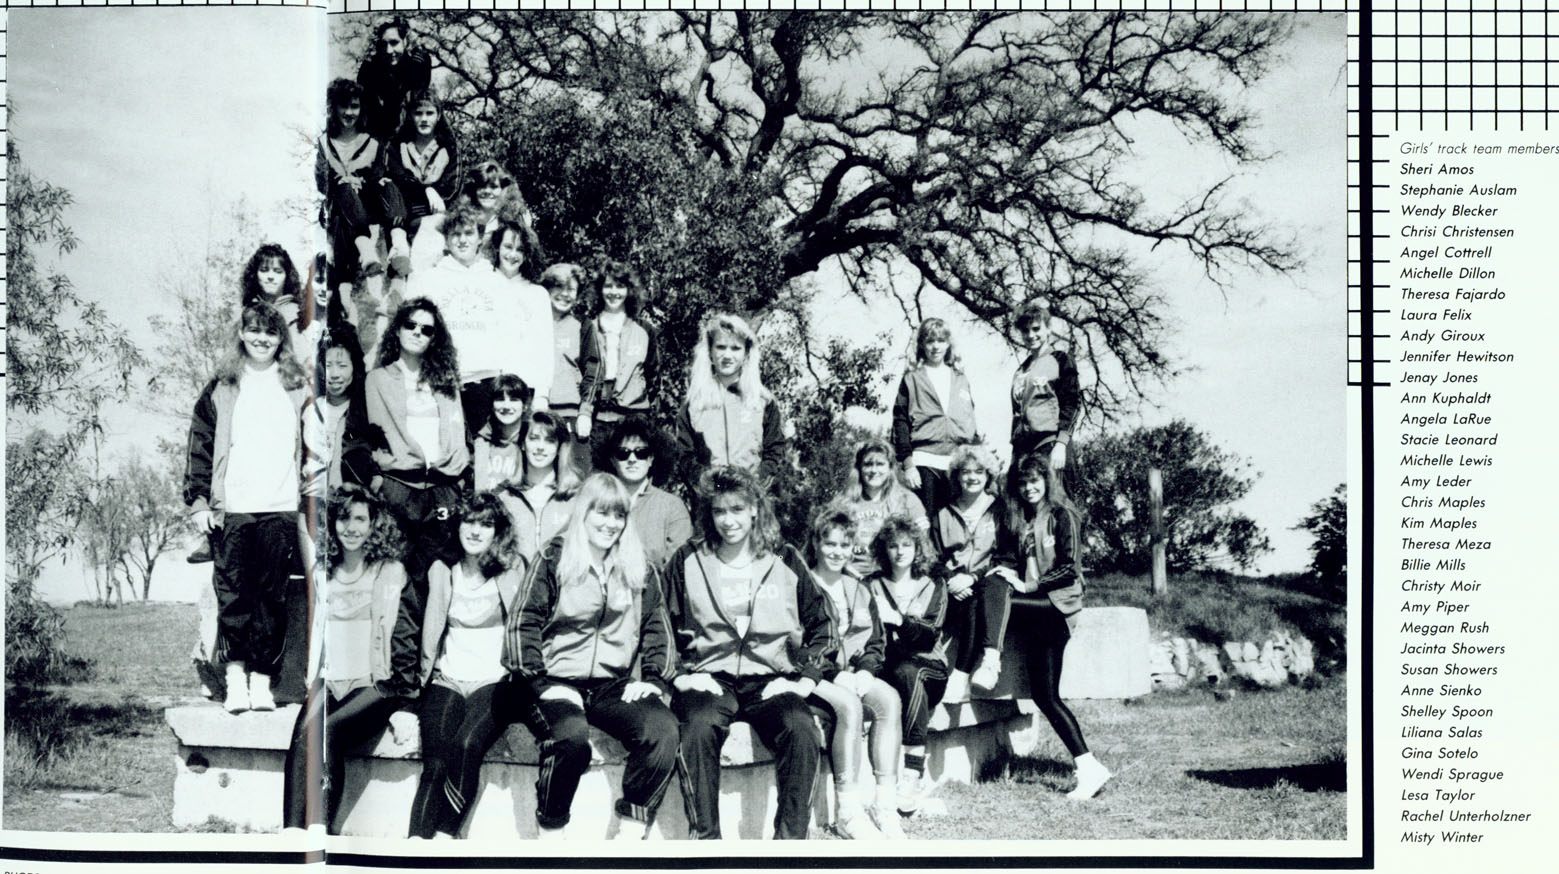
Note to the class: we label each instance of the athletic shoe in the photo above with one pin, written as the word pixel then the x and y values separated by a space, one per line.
pixel 911 793
pixel 957 688
pixel 260 693
pixel 887 821
pixel 1091 777
pixel 987 674
pixel 201 555
pixel 856 826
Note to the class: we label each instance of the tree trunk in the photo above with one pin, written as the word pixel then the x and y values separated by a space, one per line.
pixel 1156 509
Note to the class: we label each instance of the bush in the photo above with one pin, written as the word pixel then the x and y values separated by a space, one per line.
pixel 34 641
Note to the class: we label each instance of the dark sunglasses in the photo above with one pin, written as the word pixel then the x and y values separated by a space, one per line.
pixel 642 453
pixel 424 330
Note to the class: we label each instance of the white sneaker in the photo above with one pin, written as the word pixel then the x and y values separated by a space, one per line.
pixel 1091 777
pixel 854 824
pixel 886 818
pixel 957 690
pixel 988 673
pixel 237 700
pixel 630 829
pixel 260 693
pixel 911 793
pixel 551 834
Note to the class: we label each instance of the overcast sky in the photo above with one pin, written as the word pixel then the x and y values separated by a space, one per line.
pixel 157 119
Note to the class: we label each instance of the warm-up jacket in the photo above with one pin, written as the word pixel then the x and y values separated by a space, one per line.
pixel 210 438
pixel 587 629
pixel 860 634
pixel 733 435
pixel 388 579
pixel 789 633
pixel 385 393
pixel 435 614
pixel 630 384
pixel 922 422
pixel 332 456
pixel 536 520
pixel 568 339
pixel 386 85
pixel 405 176
pixel 1051 553
pixel 959 548
pixel 920 637
pixel 1046 396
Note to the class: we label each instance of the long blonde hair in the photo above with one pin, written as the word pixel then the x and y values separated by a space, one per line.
pixel 625 561
pixel 703 392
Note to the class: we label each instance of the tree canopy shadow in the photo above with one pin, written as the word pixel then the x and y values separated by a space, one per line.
pixel 1324 776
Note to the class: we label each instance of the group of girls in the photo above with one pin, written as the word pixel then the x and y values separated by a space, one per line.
pixel 474 570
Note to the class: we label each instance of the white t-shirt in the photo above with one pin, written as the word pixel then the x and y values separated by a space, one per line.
pixel 262 459
pixel 422 417
pixel 611 334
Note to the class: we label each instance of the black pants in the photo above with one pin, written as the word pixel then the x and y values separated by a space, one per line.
pixel 255 555
pixel 457 732
pixel 920 687
pixel 645 727
pixel 1047 643
pixel 936 489
pixel 783 722
pixel 426 517
pixel 980 620
pixel 290 684
pixel 326 726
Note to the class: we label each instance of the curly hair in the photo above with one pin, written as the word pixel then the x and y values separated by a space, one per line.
pixel 337 95
pixel 249 282
pixel 934 329
pixel 717 482
pixel 262 316
pixel 385 540
pixel 901 526
pixel 440 365
pixel 486 508
pixel 831 518
pixel 975 455
pixel 653 437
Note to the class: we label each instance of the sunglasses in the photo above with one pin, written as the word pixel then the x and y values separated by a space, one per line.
pixel 423 330
pixel 636 454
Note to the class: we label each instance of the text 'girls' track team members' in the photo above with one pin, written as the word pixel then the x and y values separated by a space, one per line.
pixel 1051 542
pixel 482 312
pixel 617 357
pixel 349 162
pixel 241 480
pixel 659 517
pixel 753 638
pixel 396 68
pixel 413 397
pixel 850 687
pixel 730 418
pixel 538 497
pixel 913 608
pixel 871 495
pixel 933 414
pixel 1045 390
pixel 590 610
pixel 470 592
pixel 976 549
pixel 352 691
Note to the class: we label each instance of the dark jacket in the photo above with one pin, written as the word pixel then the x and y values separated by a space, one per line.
pixel 960 548
pixel 385 87
pixel 789 633
pixel 731 435
pixel 629 391
pixel 861 637
pixel 210 437
pixel 920 421
pixel 1045 396
pixel 920 636
pixel 582 631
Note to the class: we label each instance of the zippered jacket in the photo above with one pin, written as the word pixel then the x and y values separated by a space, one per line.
pixel 861 637
pixel 587 629
pixel 211 436
pixel 435 615
pixel 919 637
pixel 789 633
pixel 921 421
pixel 635 371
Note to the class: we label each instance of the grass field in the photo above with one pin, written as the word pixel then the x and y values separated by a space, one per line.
pixel 1258 765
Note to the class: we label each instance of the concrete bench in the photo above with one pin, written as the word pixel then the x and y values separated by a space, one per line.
pixel 230 767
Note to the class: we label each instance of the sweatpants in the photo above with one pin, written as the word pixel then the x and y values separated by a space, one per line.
pixel 1048 638
pixel 446 719
pixel 979 621
pixel 426 516
pixel 920 687
pixel 645 728
pixel 327 725
pixel 936 489
pixel 255 554
pixel 783 722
